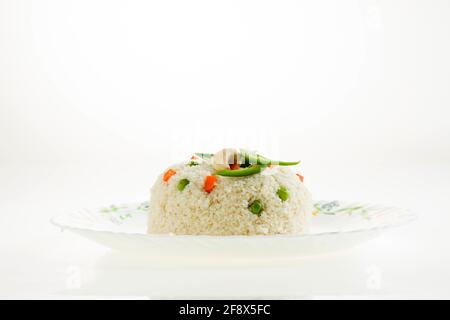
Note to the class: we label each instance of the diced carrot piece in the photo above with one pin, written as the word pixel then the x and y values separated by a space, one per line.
pixel 300 177
pixel 210 183
pixel 194 158
pixel 168 174
pixel 235 166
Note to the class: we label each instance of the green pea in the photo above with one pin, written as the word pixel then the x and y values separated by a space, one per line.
pixel 256 207
pixel 283 193
pixel 182 184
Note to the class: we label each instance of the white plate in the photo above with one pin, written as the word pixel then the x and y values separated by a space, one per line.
pixel 336 226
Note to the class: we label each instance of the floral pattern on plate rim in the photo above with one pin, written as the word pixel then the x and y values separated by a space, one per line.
pixel 118 214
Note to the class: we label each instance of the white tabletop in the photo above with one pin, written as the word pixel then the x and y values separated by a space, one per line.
pixel 39 261
pixel 93 106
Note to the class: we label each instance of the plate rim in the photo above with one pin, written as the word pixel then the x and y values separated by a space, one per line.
pixel 407 217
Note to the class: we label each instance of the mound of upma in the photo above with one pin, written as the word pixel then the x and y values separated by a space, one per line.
pixel 232 192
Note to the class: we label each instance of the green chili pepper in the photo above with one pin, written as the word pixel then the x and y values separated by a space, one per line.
pixel 256 207
pixel 265 161
pixel 283 193
pixel 240 172
pixel 250 159
pixel 287 163
pixel 182 184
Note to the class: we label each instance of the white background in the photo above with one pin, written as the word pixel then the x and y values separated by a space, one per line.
pixel 98 97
